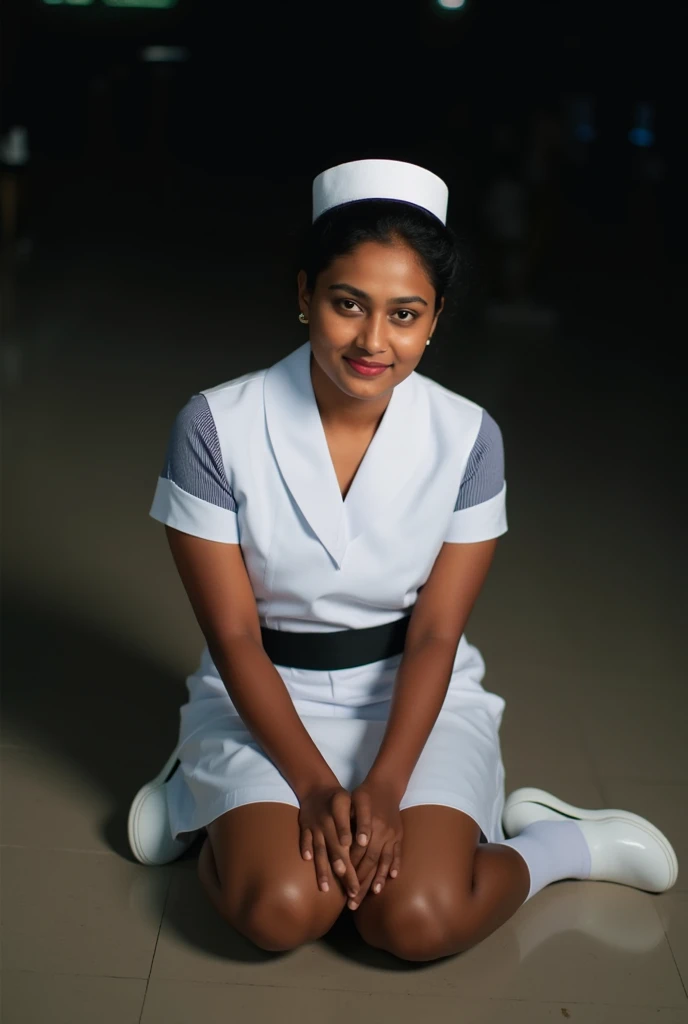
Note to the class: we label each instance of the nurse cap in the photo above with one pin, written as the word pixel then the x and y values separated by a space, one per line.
pixel 380 179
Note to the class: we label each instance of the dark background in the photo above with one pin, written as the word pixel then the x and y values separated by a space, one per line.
pixel 150 249
pixel 271 93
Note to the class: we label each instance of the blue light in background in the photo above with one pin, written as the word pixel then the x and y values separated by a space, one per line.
pixel 642 133
pixel 583 119
pixel 451 5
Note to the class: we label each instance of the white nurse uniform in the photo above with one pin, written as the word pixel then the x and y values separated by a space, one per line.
pixel 248 464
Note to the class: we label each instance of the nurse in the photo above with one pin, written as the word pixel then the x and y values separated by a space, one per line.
pixel 333 519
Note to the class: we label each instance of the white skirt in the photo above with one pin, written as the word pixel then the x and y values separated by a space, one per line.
pixel 345 713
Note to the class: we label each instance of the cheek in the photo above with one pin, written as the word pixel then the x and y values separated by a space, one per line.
pixel 331 325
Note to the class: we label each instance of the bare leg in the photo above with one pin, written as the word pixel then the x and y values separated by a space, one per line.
pixel 253 873
pixel 450 894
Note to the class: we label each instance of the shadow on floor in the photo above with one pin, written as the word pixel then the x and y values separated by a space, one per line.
pixel 89 700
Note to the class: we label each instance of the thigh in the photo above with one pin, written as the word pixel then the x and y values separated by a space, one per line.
pixel 438 850
pixel 427 901
pixel 257 858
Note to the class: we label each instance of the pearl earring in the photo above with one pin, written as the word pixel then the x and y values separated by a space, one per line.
pixel 428 342
pixel 303 318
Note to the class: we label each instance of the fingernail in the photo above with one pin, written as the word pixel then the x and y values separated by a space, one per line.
pixel 325 887
pixel 394 873
pixel 377 887
pixel 352 894
pixel 352 905
pixel 307 855
pixel 339 867
pixel 362 839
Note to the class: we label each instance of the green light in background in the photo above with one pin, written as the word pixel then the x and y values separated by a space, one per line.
pixel 140 3
pixel 159 4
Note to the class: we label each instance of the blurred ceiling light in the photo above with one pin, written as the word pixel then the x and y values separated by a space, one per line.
pixel 164 54
pixel 451 5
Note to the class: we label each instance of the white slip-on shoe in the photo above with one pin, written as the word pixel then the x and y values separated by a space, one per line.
pixel 148 826
pixel 624 847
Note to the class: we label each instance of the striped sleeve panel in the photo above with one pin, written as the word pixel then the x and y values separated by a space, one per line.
pixel 480 510
pixel 194 460
pixel 193 494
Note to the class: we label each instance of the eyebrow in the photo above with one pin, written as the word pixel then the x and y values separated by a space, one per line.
pixel 402 300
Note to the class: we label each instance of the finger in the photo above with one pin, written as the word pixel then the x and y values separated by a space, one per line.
pixel 340 860
pixel 357 853
pixel 396 861
pixel 363 819
pixel 354 902
pixel 341 812
pixel 383 869
pixel 306 844
pixel 369 862
pixel 322 861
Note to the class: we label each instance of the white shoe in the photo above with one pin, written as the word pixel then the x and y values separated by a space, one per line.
pixel 148 827
pixel 624 847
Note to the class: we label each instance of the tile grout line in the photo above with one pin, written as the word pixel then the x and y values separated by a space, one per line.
pixel 678 969
pixel 155 947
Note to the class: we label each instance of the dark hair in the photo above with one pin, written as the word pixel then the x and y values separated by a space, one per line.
pixel 340 230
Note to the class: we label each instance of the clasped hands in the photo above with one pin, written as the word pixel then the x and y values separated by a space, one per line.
pixel 354 836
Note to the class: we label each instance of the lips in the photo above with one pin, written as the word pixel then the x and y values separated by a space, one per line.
pixel 367 369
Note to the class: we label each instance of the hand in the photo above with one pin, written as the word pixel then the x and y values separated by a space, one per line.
pixel 325 823
pixel 379 831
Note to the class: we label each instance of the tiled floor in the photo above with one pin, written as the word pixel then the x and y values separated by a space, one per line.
pixel 579 623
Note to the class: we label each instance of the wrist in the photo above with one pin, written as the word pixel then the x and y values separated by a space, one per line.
pixel 391 781
pixel 325 779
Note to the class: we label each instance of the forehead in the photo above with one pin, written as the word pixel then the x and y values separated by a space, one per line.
pixel 377 267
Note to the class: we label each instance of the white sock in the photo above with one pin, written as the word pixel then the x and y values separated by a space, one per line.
pixel 552 850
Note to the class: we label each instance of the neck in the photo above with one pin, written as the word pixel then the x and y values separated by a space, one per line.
pixel 337 409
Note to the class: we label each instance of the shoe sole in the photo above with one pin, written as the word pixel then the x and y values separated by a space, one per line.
pixel 137 805
pixel 540 796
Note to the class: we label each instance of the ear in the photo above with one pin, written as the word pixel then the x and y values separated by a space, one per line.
pixel 437 315
pixel 304 294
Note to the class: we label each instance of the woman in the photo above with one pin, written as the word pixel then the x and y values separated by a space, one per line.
pixel 333 519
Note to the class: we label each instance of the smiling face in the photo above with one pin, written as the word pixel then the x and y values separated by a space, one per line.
pixel 375 305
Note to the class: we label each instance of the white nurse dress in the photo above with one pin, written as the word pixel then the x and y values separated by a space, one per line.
pixel 248 464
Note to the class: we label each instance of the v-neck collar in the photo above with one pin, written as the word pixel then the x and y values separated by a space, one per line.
pixel 298 440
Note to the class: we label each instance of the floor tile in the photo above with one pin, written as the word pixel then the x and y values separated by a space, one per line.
pixel 169 1002
pixel 663 805
pixel 32 998
pixel 595 942
pixel 541 741
pixel 578 941
pixel 636 736
pixel 49 803
pixel 673 911
pixel 79 913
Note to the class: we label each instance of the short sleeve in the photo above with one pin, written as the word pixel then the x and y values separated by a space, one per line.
pixel 480 511
pixel 193 494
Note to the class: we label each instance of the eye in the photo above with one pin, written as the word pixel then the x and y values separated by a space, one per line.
pixel 348 305
pixel 406 315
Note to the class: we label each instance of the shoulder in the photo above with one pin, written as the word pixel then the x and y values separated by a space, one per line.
pixel 457 411
pixel 235 394
pixel 207 411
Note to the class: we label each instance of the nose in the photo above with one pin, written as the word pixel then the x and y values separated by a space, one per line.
pixel 372 339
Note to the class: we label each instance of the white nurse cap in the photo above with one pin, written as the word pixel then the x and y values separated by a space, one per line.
pixel 380 179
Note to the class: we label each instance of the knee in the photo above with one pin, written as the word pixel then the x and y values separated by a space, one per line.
pixel 421 925
pixel 275 916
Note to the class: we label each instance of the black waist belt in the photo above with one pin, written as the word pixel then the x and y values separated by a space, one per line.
pixel 327 652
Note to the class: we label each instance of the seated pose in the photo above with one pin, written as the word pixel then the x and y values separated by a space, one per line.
pixel 333 519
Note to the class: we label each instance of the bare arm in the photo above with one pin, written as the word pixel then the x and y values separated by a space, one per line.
pixel 437 622
pixel 218 587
